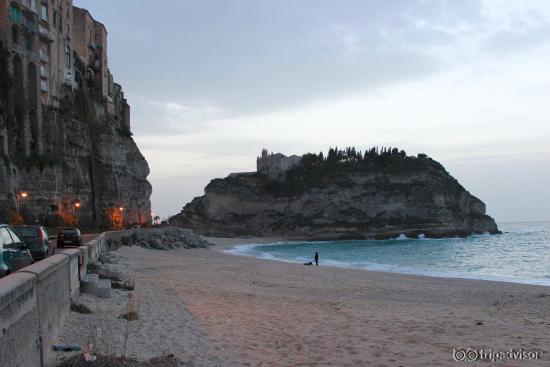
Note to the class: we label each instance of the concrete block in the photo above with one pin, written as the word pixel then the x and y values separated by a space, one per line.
pixel 89 283
pixel 83 261
pixel 43 269
pixel 19 337
pixel 74 276
pixel 103 289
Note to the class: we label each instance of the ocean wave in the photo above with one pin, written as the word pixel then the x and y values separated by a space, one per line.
pixel 249 251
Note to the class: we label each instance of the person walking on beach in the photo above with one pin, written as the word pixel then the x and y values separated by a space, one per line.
pixel 316 259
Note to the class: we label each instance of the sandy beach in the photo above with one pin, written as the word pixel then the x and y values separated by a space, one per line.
pixel 211 308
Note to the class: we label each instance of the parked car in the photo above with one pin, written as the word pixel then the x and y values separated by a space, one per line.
pixel 37 240
pixel 14 254
pixel 69 236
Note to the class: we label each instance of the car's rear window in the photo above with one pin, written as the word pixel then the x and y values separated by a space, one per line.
pixel 72 232
pixel 28 232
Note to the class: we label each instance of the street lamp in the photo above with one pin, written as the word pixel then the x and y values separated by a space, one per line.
pixel 22 194
pixel 121 210
pixel 18 197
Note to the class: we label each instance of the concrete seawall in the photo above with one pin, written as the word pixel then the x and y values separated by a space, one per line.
pixel 36 301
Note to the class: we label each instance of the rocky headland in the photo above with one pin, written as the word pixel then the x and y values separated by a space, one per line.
pixel 347 195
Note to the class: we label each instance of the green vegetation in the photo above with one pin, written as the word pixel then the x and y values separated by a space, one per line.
pixel 338 166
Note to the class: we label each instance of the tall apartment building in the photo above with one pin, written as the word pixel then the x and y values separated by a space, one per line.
pixel 25 34
pixel 41 39
pixel 90 42
pixel 58 16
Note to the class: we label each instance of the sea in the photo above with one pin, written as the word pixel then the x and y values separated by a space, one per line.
pixel 521 254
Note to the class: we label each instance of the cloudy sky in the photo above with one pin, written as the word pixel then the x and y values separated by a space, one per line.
pixel 212 82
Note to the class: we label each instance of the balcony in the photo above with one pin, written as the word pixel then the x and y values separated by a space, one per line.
pixel 44 72
pixel 45 34
pixel 43 56
pixel 70 82
pixel 29 25
pixel 30 5
pixel 44 86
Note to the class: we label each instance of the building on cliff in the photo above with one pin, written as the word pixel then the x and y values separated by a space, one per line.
pixel 90 42
pixel 275 165
pixel 42 37
pixel 60 111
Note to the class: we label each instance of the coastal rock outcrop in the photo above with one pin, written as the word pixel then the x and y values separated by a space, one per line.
pixel 156 238
pixel 381 195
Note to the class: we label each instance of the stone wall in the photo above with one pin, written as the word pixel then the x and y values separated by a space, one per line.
pixel 35 302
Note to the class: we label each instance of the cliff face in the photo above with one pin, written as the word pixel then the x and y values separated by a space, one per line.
pixel 380 197
pixel 86 171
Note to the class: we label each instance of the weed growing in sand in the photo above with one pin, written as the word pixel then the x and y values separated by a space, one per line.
pixel 130 315
pixel 104 336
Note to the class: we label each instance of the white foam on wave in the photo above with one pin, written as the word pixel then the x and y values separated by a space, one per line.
pixel 248 250
pixel 241 249
pixel 387 268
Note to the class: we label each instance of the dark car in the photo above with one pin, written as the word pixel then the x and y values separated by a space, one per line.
pixel 70 237
pixel 37 240
pixel 14 254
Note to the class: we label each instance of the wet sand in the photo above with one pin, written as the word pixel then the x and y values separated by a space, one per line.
pixel 213 308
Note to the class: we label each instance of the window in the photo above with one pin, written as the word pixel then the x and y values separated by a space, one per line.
pixel 44 12
pixel 70 232
pixel 5 237
pixel 28 42
pixel 10 239
pixel 14 35
pixel 17 243
pixel 28 232
pixel 15 14
pixel 67 56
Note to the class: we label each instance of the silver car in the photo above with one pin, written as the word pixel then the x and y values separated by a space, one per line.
pixel 14 254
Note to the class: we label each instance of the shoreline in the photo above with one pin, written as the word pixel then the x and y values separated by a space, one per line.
pixel 209 307
pixel 225 244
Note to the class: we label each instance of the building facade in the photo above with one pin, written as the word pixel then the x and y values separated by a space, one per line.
pixel 41 41
pixel 275 165
pixel 90 42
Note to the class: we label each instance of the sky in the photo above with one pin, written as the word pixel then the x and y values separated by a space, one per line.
pixel 212 82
